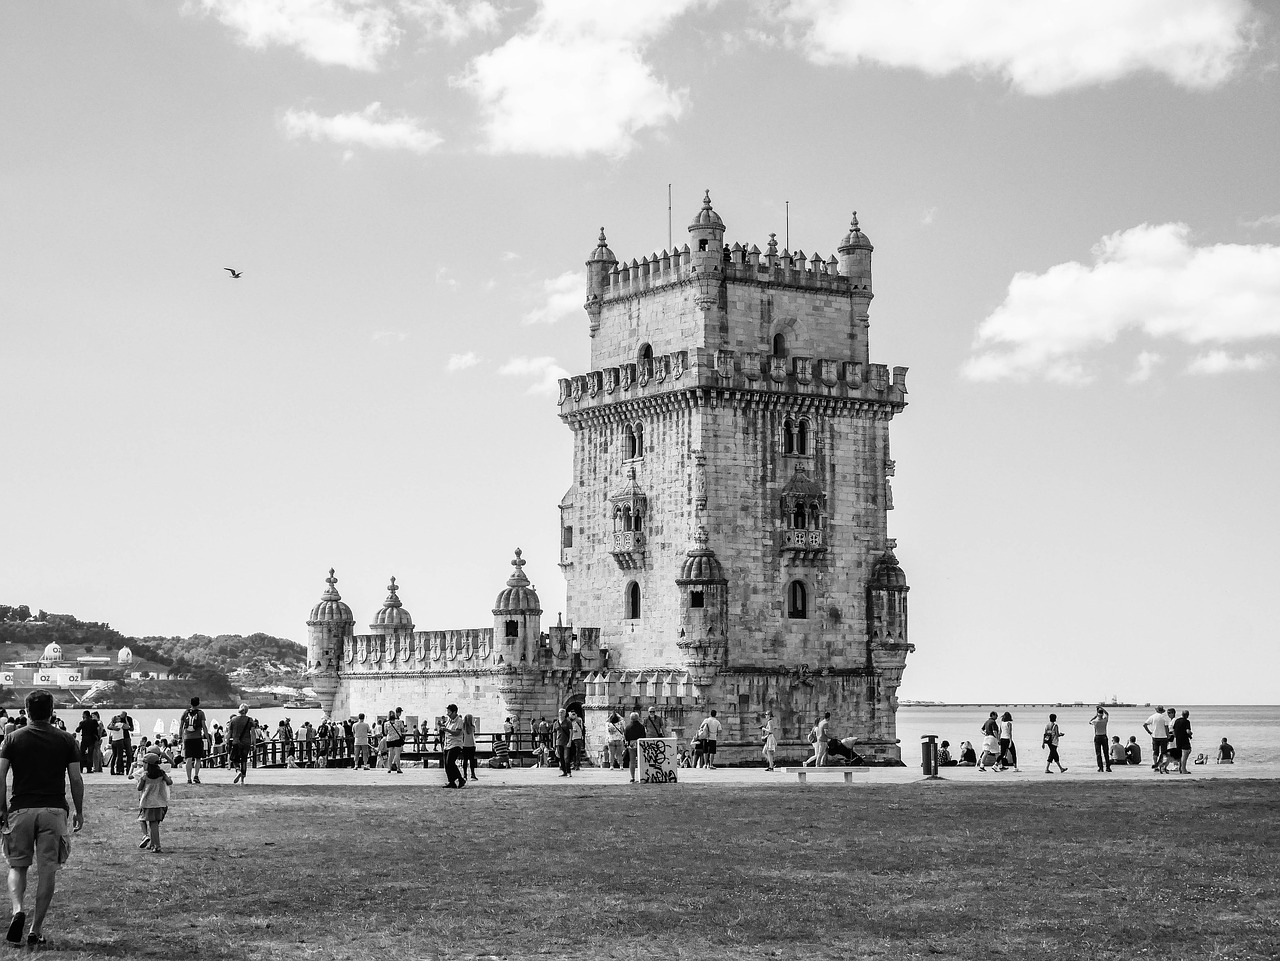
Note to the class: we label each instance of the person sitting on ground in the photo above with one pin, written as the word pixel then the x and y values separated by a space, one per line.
pixel 990 754
pixel 944 755
pixel 1226 753
pixel 1132 752
pixel 968 756
pixel 1117 751
pixel 1201 759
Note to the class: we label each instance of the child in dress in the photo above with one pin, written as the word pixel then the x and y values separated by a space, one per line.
pixel 154 784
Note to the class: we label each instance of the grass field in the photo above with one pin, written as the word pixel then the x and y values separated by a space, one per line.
pixel 923 870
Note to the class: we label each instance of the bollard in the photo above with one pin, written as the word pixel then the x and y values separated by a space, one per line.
pixel 929 754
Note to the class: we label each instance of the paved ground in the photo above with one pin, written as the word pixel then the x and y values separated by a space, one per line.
pixel 595 777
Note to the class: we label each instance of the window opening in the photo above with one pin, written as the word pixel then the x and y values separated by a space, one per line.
pixel 513 628
pixel 797 601
pixel 697 599
pixel 633 601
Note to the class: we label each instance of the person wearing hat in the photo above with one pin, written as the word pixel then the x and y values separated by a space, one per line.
pixel 153 805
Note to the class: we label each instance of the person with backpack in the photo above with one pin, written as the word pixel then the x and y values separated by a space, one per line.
pixel 1052 735
pixel 194 729
pixel 393 732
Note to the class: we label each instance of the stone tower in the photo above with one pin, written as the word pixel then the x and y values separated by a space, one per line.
pixel 329 634
pixel 726 527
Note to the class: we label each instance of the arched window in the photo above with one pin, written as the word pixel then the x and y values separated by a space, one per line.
pixel 637 521
pixel 646 354
pixel 788 437
pixel 802 437
pixel 779 345
pixel 513 629
pixel 638 434
pixel 815 517
pixel 798 518
pixel 633 601
pixel 626 518
pixel 797 601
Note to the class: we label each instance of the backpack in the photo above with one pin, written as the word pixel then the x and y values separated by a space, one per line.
pixel 192 724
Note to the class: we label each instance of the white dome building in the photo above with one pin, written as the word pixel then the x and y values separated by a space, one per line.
pixel 125 657
pixel 52 653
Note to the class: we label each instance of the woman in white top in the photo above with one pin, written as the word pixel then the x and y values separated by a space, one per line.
pixel 770 741
pixel 1008 750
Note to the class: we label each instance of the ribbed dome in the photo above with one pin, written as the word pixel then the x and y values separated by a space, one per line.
pixel 706 217
pixel 855 237
pixel 52 652
pixel 393 616
pixel 602 253
pixel 519 597
pixel 331 609
pixel 888 576
pixel 701 566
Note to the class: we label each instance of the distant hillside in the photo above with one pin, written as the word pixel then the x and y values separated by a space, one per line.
pixel 256 660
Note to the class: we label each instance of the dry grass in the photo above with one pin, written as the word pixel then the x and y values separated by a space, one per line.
pixel 926 870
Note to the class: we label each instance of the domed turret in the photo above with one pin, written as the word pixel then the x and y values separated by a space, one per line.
pixel 855 238
pixel 392 616
pixel 52 652
pixel 599 264
pixel 519 596
pixel 602 253
pixel 701 566
pixel 331 608
pixel 706 233
pixel 124 657
pixel 855 257
pixel 887 575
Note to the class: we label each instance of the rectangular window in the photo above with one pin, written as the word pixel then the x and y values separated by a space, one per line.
pixel 697 599
pixel 566 536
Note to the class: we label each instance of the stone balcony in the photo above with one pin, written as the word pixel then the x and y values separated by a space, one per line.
pixel 628 549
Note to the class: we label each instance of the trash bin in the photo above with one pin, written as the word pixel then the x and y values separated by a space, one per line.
pixel 929 755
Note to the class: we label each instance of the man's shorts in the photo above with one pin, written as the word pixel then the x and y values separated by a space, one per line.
pixel 193 748
pixel 238 753
pixel 37 834
pixel 708 746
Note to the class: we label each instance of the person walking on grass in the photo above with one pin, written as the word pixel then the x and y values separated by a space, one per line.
pixel 153 805
pixel 1101 744
pixel 393 732
pixel 770 745
pixel 194 729
pixel 451 739
pixel 240 735
pixel 633 732
pixel 1052 735
pixel 88 731
pixel 579 739
pixel 43 759
pixel 563 731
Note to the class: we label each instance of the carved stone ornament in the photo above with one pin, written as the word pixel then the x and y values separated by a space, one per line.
pixel 777 369
pixel 661 367
pixel 362 649
pixel 610 379
pixel 451 650
pixel 593 383
pixel 830 373
pixel 628 375
pixel 564 390
pixel 724 363
pixel 678 361
pixel 751 366
pixel 435 647
pixel 699 481
pixel 853 374
pixel 577 388
pixel 420 647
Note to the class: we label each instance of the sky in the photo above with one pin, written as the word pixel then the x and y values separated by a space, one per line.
pixel 1076 213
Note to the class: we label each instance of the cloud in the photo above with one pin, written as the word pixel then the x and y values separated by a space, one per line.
pixel 1038 48
pixel 562 297
pixel 1148 279
pixel 929 216
pixel 546 373
pixel 1269 220
pixel 1145 366
pixel 575 82
pixel 445 278
pixel 462 361
pixel 453 22
pixel 371 127
pixel 346 33
pixel 389 337
pixel 1220 362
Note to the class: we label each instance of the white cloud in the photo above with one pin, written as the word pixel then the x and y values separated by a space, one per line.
pixel 929 216
pixel 389 337
pixel 462 361
pixel 445 278
pixel 575 82
pixel 546 373
pixel 1269 220
pixel 453 21
pixel 346 33
pixel 1144 366
pixel 1148 279
pixel 1039 48
pixel 562 297
pixel 1220 362
pixel 370 127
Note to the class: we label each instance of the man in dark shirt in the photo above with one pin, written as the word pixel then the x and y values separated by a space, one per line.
pixel 88 731
pixel 240 742
pixel 42 759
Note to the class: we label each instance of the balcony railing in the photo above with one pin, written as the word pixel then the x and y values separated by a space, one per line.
pixel 804 540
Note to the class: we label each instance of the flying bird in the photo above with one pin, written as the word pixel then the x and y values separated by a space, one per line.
pixel 235 274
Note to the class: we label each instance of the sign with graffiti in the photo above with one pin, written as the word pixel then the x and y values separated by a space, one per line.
pixel 658 760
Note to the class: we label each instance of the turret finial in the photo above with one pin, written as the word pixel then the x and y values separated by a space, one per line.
pixel 706 199
pixel 602 242
pixel 331 580
pixel 853 224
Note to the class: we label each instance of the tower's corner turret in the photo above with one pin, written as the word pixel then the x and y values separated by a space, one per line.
pixel 706 239
pixel 855 258
pixel 329 630
pixel 599 264
pixel 517 617
pixel 704 601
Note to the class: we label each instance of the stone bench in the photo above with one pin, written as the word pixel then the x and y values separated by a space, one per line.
pixel 804 772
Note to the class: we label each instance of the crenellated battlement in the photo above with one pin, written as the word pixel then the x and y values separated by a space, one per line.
pixel 788 377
